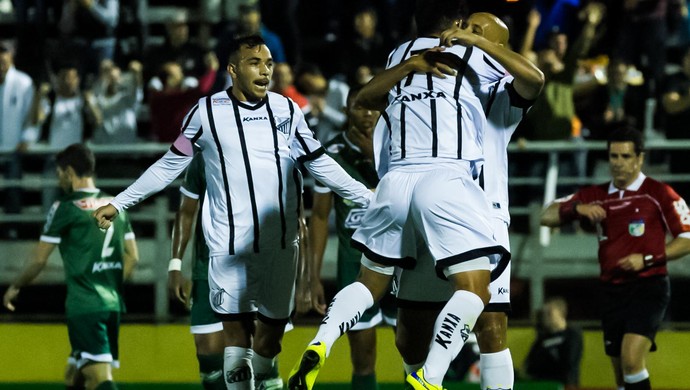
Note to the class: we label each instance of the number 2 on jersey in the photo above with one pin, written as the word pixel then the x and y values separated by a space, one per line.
pixel 108 250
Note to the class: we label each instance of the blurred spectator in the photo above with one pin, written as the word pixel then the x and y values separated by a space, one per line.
pixel 558 16
pixel 615 101
pixel 676 106
pixel 169 105
pixel 366 48
pixel 281 17
pixel 552 116
pixel 283 83
pixel 66 116
pixel 88 27
pixel 35 21
pixel 641 38
pixel 327 98
pixel 117 97
pixel 16 95
pixel 178 47
pixel 556 353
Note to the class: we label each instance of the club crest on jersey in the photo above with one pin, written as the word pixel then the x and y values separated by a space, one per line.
pixel 636 228
pixel 220 101
pixel 418 96
pixel 283 125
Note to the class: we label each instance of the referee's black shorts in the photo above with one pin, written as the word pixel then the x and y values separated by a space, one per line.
pixel 636 307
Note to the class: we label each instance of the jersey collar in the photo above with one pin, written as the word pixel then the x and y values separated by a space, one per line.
pixel 351 144
pixel 634 186
pixel 245 105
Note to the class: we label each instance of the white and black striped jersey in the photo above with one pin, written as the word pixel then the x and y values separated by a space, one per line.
pixel 431 117
pixel 253 186
pixel 504 109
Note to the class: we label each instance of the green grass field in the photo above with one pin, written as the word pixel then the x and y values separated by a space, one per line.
pixel 326 386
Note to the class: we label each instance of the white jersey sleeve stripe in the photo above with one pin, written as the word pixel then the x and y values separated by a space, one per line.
pixel 224 172
pixel 279 169
pixel 250 177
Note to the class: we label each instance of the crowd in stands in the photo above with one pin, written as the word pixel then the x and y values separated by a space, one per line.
pixel 98 70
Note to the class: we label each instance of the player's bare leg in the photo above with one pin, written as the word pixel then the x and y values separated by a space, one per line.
pixel 634 351
pixel 363 358
pixel 413 335
pixel 98 376
pixel 496 364
pixel 267 345
pixel 209 353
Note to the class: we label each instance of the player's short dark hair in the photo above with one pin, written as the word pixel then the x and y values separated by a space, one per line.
pixel 80 158
pixel 434 16
pixel 249 41
pixel 352 94
pixel 627 134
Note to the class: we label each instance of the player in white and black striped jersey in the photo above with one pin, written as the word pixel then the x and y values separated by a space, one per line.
pixel 435 134
pixel 421 294
pixel 250 140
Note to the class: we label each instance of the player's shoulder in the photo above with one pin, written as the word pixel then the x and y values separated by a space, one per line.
pixel 657 188
pixel 277 100
pixel 21 78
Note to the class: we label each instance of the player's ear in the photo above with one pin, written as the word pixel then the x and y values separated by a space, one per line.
pixel 232 71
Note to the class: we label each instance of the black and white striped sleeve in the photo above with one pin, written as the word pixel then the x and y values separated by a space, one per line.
pixel 305 146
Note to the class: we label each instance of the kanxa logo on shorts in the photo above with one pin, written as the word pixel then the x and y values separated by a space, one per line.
pixel 239 374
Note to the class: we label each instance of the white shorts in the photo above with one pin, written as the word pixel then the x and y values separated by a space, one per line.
pixel 257 282
pixel 422 284
pixel 439 205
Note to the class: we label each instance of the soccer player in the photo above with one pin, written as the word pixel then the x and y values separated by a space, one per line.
pixel 352 149
pixel 435 128
pixel 96 262
pixel 505 102
pixel 250 140
pixel 632 214
pixel 207 329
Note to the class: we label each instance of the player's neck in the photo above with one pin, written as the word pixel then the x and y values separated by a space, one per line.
pixel 83 183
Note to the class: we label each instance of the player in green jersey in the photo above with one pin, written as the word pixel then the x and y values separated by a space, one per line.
pixel 353 150
pixel 96 262
pixel 206 327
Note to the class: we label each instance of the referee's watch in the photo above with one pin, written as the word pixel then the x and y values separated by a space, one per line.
pixel 648 260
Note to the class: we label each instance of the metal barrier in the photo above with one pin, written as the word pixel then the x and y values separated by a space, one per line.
pixel 536 257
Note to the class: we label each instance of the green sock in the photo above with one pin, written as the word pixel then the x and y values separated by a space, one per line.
pixel 107 385
pixel 211 371
pixel 364 382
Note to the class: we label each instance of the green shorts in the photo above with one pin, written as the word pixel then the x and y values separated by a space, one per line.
pixel 203 319
pixel 383 312
pixel 93 338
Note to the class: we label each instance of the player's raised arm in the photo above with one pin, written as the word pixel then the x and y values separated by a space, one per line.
pixel 373 95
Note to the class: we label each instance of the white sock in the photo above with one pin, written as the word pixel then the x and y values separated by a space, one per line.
pixel 451 330
pixel 496 370
pixel 237 368
pixel 345 309
pixel 637 377
pixel 262 366
pixel 410 368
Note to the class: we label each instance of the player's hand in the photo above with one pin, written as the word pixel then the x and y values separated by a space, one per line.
pixel 632 263
pixel 593 212
pixel 104 215
pixel 457 35
pixel 177 287
pixel 318 298
pixel 303 300
pixel 533 18
pixel 10 295
pixel 429 62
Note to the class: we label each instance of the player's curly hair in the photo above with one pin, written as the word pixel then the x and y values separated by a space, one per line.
pixel 249 41
pixel 80 158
